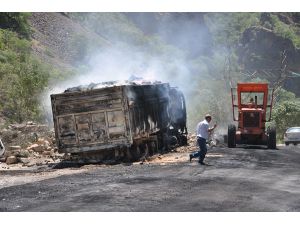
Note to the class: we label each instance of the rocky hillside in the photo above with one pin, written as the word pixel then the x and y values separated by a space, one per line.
pixel 61 41
pixel 69 39
pixel 200 52
pixel 262 50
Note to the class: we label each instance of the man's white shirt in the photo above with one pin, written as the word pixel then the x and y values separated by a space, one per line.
pixel 202 129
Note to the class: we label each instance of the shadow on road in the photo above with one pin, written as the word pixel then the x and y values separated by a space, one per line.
pixel 256 147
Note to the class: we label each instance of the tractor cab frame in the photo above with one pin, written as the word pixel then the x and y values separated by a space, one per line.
pixel 252 108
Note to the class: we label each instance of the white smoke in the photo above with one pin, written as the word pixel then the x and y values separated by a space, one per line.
pixel 179 64
pixel 120 64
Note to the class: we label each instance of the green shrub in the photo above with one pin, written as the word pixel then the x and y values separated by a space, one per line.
pixel 16 21
pixel 284 30
pixel 286 112
pixel 22 78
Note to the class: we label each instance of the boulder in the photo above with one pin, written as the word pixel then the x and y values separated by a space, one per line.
pixel 11 160
pixel 23 160
pixel 23 154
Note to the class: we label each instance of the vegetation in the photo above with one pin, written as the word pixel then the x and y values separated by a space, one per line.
pixel 15 22
pixel 22 78
pixel 227 28
pixel 288 31
pixel 286 112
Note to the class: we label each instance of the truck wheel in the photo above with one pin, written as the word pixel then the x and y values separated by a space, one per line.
pixel 271 138
pixel 231 136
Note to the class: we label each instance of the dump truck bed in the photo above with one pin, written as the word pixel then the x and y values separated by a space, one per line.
pixel 105 118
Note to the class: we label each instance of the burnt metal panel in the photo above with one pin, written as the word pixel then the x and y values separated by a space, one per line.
pixel 148 109
pixel 101 119
pixel 90 120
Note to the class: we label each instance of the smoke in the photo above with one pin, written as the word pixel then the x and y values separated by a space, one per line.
pixel 121 63
pixel 178 56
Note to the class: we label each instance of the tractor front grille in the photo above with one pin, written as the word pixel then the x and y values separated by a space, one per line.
pixel 251 119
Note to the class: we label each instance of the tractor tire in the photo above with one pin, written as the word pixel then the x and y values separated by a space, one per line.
pixel 271 137
pixel 231 136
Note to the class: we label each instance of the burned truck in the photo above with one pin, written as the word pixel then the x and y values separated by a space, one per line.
pixel 121 122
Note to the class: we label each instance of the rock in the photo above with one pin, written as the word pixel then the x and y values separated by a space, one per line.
pixel 12 153
pixel 24 160
pixel 30 164
pixel 24 154
pixel 8 153
pixel 32 146
pixel 46 143
pixel 46 153
pixel 16 147
pixel 36 148
pixel 52 153
pixel 30 123
pixel 3 159
pixel 40 141
pixel 39 164
pixel 11 160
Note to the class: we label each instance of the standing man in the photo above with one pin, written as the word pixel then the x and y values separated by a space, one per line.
pixel 203 131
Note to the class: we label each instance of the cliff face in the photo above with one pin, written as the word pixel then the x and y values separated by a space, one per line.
pixel 262 49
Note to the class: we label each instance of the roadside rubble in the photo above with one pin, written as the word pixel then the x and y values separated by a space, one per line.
pixel 28 145
pixel 33 145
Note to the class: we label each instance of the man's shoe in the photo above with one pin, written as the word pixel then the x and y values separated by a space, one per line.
pixel 202 163
pixel 191 158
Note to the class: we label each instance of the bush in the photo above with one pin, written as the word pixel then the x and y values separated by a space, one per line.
pixel 285 30
pixel 15 21
pixel 22 78
pixel 286 112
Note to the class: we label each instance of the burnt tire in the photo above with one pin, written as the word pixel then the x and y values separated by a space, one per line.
pixel 231 139
pixel 271 137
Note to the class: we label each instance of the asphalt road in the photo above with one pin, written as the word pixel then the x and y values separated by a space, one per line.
pixel 241 179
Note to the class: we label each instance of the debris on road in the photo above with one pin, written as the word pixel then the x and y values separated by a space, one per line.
pixel 28 144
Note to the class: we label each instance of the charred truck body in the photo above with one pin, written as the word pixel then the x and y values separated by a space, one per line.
pixel 119 122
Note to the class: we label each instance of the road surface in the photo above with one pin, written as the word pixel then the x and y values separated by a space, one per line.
pixel 241 179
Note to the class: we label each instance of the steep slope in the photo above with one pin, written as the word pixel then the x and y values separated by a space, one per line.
pixel 60 41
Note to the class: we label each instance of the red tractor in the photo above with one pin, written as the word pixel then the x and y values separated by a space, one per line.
pixel 252 106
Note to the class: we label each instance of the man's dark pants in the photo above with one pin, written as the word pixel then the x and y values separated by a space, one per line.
pixel 202 149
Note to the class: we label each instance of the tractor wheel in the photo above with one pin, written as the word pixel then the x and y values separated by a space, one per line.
pixel 231 136
pixel 271 137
